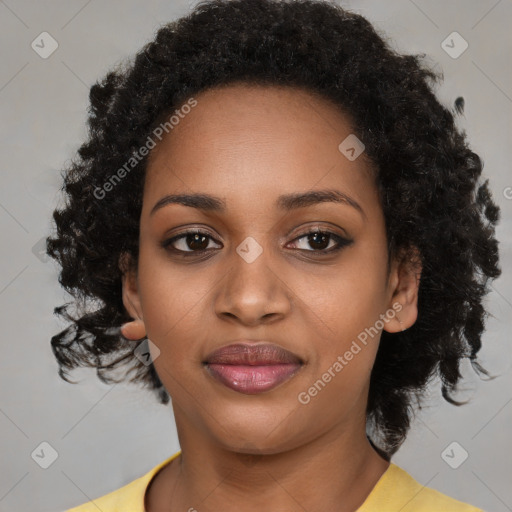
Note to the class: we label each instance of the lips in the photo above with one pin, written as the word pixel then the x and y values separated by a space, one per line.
pixel 252 368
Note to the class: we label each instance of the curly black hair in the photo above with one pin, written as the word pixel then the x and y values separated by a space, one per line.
pixel 428 182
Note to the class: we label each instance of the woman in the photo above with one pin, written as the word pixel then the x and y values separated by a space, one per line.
pixel 274 212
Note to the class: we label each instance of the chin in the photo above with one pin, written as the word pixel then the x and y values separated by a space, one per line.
pixel 252 435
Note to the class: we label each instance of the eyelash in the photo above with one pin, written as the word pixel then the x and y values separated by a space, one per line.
pixel 341 242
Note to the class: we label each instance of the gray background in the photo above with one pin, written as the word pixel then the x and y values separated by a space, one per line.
pixel 105 436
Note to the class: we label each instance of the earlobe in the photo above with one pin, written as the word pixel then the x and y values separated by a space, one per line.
pixel 402 328
pixel 134 330
pixel 396 320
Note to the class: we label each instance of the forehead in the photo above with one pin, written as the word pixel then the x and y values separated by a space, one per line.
pixel 245 138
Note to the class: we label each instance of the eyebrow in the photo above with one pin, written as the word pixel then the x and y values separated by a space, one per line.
pixel 285 202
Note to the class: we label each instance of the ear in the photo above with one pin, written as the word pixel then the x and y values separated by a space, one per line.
pixel 135 329
pixel 404 282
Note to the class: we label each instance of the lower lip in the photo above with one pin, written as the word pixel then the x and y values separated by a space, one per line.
pixel 251 380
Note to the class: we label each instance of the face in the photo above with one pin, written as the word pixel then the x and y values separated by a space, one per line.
pixel 248 265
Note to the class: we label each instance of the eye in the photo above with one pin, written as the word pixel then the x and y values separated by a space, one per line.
pixel 195 241
pixel 321 241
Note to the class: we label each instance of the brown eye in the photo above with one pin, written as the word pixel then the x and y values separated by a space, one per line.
pixel 321 242
pixel 189 242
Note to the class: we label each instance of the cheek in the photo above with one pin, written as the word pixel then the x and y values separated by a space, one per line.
pixel 343 308
pixel 348 297
pixel 172 301
pixel 349 308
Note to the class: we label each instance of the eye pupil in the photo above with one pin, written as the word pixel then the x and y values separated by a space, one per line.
pixel 313 239
pixel 197 238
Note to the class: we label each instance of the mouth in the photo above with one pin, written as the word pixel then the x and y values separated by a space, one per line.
pixel 252 368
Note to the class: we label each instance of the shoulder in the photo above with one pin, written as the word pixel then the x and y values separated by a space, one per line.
pixel 397 490
pixel 126 498
pixel 129 498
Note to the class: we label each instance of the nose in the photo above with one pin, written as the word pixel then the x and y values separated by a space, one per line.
pixel 252 293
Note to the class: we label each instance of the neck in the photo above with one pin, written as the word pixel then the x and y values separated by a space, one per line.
pixel 335 471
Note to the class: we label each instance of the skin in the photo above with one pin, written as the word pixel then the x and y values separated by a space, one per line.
pixel 248 145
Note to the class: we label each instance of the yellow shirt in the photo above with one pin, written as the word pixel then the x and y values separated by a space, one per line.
pixel 396 491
